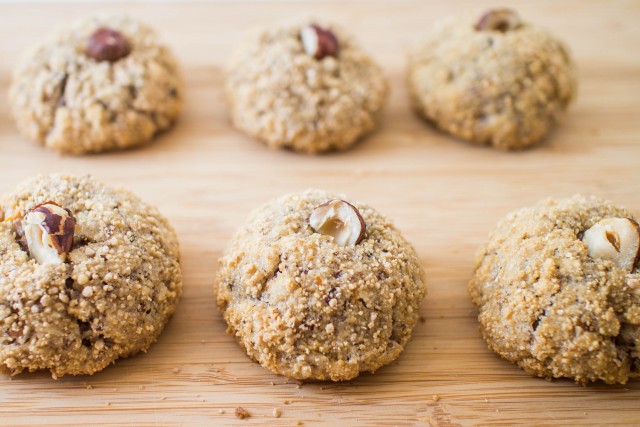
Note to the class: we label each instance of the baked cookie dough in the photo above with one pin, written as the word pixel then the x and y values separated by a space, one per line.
pixel 325 304
pixel 106 83
pixel 492 79
pixel 306 87
pixel 558 290
pixel 88 274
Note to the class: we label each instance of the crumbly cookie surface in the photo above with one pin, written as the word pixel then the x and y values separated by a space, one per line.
pixel 507 90
pixel 75 104
pixel 279 94
pixel 306 308
pixel 546 305
pixel 110 299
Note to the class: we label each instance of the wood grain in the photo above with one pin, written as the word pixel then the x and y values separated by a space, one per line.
pixel 445 196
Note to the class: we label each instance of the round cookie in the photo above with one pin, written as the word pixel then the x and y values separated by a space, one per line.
pixel 319 305
pixel 492 80
pixel 306 87
pixel 105 83
pixel 88 274
pixel 558 290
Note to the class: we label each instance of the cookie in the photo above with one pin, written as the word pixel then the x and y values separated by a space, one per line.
pixel 88 274
pixel 315 288
pixel 306 87
pixel 492 80
pixel 558 290
pixel 105 83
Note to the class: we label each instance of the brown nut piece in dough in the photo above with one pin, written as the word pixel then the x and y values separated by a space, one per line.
pixel 107 45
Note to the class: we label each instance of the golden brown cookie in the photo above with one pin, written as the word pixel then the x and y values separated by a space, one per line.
pixel 313 287
pixel 558 290
pixel 105 83
pixel 88 274
pixel 492 79
pixel 305 86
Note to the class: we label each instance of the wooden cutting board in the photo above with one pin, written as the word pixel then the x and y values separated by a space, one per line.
pixel 445 195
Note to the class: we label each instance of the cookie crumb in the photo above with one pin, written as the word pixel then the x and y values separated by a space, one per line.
pixel 176 370
pixel 141 387
pixel 435 397
pixel 277 412
pixel 242 413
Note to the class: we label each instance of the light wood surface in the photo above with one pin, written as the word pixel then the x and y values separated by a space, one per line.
pixel 445 196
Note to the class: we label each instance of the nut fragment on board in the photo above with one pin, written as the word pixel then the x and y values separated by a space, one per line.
pixel 242 413
pixel 49 231
pixel 339 219
pixel 615 239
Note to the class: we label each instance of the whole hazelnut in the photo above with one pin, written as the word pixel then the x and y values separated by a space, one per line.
pixel 106 44
pixel 501 20
pixel 339 219
pixel 318 42
pixel 615 239
pixel 49 229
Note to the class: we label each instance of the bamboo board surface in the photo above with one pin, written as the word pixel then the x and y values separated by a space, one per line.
pixel 445 196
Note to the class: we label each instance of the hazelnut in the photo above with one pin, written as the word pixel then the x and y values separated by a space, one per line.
pixel 338 219
pixel 49 230
pixel 616 239
pixel 107 45
pixel 318 42
pixel 502 20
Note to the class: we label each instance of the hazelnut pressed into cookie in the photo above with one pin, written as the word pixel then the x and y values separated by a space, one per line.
pixel 88 274
pixel 306 86
pixel 492 79
pixel 558 290
pixel 105 83
pixel 314 287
